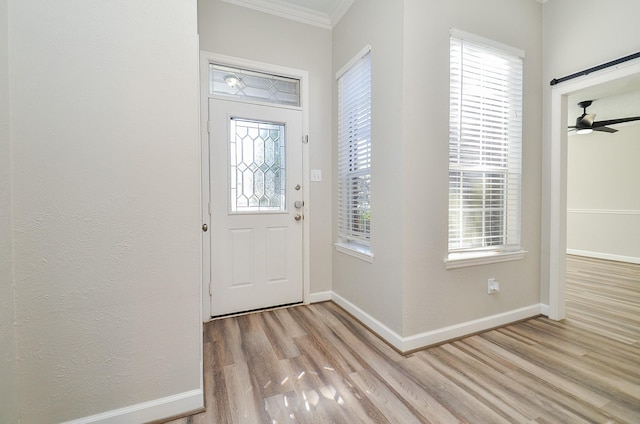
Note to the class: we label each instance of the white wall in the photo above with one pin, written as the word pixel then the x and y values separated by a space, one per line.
pixel 106 206
pixel 569 26
pixel 8 381
pixel 376 288
pixel 435 297
pixel 241 32
pixel 603 198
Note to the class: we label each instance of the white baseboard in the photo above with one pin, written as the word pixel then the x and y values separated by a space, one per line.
pixel 544 309
pixel 390 336
pixel 470 327
pixel 319 297
pixel 418 341
pixel 158 409
pixel 606 256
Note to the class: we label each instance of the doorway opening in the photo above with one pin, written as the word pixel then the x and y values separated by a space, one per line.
pixel 555 216
pixel 255 201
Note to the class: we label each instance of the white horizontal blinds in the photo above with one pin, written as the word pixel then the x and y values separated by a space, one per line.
pixel 485 147
pixel 354 151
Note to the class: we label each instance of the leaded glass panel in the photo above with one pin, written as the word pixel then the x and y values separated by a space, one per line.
pixel 251 85
pixel 257 166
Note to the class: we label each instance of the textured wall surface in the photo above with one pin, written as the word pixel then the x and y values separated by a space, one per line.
pixel 278 41
pixel 106 204
pixel 603 198
pixel 407 287
pixel 564 39
pixel 435 297
pixel 8 371
pixel 376 288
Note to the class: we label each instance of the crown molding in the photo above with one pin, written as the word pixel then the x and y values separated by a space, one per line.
pixel 291 11
pixel 286 10
pixel 338 10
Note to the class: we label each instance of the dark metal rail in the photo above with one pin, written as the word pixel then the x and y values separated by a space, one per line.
pixel 595 68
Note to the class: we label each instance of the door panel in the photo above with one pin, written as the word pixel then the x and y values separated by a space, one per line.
pixel 255 178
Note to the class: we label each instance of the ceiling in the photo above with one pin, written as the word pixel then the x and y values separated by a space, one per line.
pixel 615 99
pixel 322 13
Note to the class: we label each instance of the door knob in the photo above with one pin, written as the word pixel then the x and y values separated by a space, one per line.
pixel 298 204
pixel 205 227
pixel 298 217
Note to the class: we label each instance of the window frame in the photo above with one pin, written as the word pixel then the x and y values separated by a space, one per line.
pixel 354 157
pixel 504 162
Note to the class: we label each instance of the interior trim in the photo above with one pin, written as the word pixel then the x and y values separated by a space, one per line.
pixel 149 411
pixel 605 256
pixel 407 344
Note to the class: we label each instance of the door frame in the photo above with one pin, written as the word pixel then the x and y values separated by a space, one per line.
pixel 553 266
pixel 207 58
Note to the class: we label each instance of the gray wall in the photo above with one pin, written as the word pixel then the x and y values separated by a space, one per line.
pixel 407 288
pixel 377 287
pixel 240 32
pixel 569 26
pixel 603 197
pixel 8 371
pixel 106 204
pixel 435 297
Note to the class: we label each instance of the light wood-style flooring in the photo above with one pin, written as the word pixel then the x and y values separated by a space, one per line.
pixel 316 364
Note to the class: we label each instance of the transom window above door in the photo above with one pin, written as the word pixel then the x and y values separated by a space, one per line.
pixel 249 85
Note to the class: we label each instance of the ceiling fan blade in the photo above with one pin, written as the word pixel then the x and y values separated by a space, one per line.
pixel 586 120
pixel 605 129
pixel 615 121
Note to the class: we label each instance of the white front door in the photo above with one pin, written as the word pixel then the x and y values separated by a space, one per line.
pixel 256 206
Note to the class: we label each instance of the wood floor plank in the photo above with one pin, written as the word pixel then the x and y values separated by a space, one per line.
pixel 582 373
pixel 489 386
pixel 392 406
pixel 534 364
pixel 305 407
pixel 281 341
pixel 245 403
pixel 460 403
pixel 328 342
pixel 316 364
pixel 526 398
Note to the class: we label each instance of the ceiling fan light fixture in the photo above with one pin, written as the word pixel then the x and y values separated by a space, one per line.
pixel 586 123
pixel 584 131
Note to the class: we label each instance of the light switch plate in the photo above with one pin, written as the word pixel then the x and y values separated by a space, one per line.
pixel 316 175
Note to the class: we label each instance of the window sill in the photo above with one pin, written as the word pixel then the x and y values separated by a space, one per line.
pixel 460 260
pixel 361 252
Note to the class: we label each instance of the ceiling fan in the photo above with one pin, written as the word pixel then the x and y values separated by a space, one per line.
pixel 586 123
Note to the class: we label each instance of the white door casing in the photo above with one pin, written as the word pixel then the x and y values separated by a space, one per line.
pixel 207 58
pixel 256 225
pixel 553 263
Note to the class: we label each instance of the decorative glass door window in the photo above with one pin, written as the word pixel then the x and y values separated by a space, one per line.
pixel 253 86
pixel 257 166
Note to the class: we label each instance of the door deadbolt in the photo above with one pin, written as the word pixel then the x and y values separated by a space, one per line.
pixel 298 217
pixel 205 227
pixel 297 187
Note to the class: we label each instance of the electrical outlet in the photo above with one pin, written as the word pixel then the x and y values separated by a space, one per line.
pixel 492 286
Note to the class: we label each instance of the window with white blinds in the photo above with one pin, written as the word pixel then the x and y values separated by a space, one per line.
pixel 485 145
pixel 354 151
